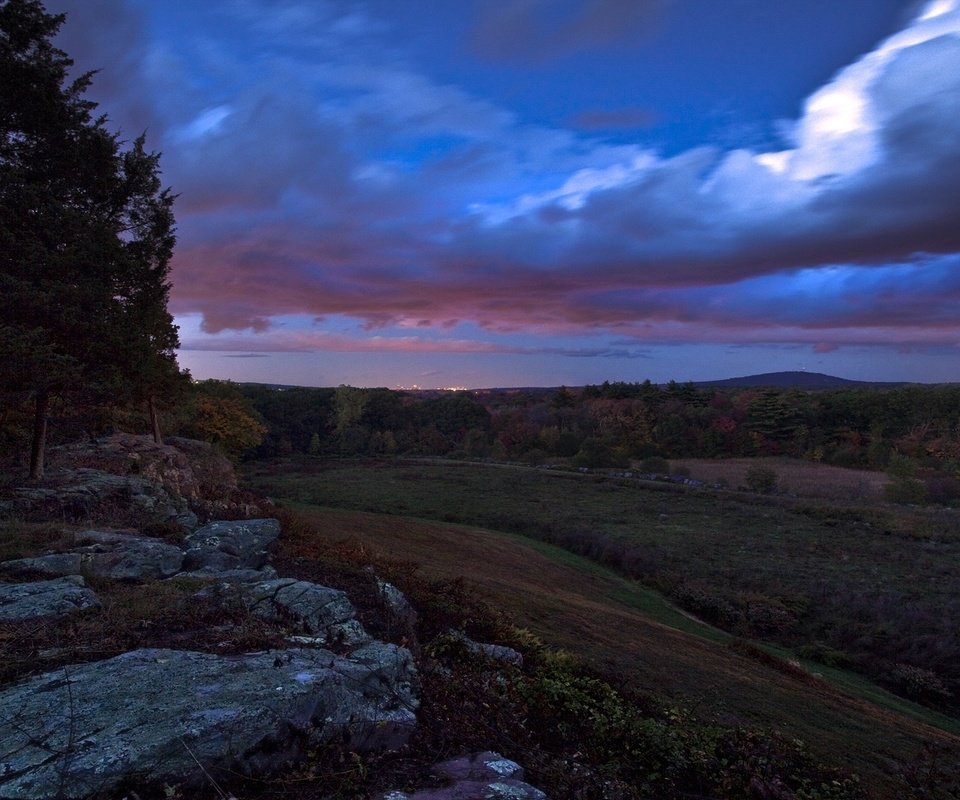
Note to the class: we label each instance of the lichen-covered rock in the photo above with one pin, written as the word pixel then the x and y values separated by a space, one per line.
pixel 89 495
pixel 226 545
pixel 496 653
pixel 121 557
pixel 396 603
pixel 170 716
pixel 53 599
pixel 214 474
pixel 481 776
pixel 327 614
pixel 187 468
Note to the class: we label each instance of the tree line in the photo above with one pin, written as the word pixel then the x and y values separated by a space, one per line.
pixel 912 431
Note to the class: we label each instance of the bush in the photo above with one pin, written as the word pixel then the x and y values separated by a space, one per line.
pixel 907 491
pixel 761 479
pixel 922 685
pixel 823 654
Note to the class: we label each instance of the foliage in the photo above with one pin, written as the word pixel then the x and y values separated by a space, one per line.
pixel 221 415
pixel 618 425
pixel 762 479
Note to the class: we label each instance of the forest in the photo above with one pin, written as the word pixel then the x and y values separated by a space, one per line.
pixel 912 432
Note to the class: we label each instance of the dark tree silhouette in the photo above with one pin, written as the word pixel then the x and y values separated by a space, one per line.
pixel 86 235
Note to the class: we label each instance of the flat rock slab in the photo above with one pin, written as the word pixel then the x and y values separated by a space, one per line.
pixel 121 557
pixel 53 599
pixel 231 545
pixel 481 776
pixel 155 716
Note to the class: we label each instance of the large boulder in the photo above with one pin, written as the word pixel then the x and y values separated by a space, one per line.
pixel 190 469
pixel 226 545
pixel 118 556
pixel 165 716
pixel 481 776
pixel 53 599
pixel 91 495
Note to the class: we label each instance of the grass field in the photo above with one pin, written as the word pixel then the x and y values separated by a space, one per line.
pixel 763 547
pixel 801 478
pixel 871 586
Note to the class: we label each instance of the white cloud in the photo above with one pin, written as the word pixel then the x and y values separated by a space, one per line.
pixel 208 122
pixel 840 130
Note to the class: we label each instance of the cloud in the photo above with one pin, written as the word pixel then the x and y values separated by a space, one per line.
pixel 539 30
pixel 322 172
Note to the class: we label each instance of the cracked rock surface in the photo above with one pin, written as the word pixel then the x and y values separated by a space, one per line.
pixel 324 613
pixel 157 715
pixel 53 599
pixel 231 545
pixel 122 557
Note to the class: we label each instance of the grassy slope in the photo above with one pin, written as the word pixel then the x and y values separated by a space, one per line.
pixel 575 604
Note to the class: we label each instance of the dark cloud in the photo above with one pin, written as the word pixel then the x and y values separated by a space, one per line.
pixel 528 31
pixel 323 180
pixel 109 37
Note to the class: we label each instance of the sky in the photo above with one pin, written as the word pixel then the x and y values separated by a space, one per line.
pixel 542 192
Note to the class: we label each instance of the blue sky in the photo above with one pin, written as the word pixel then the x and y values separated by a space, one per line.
pixel 544 192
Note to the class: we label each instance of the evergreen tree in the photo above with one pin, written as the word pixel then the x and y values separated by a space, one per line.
pixel 86 235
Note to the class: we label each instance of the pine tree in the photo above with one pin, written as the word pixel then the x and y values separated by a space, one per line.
pixel 86 235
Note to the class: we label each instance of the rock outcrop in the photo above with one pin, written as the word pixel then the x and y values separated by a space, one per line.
pixel 122 557
pixel 174 716
pixel 53 599
pixel 155 716
pixel 221 545
pixel 84 495
pixel 177 716
pixel 124 475
pixel 481 776
pixel 186 468
pixel 495 653
pixel 318 611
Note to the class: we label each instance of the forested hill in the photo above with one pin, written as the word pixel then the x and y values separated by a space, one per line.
pixel 794 380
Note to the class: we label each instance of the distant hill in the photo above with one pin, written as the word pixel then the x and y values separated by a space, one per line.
pixel 795 380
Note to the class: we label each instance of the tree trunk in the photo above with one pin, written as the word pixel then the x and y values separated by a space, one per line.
pixel 39 434
pixel 154 420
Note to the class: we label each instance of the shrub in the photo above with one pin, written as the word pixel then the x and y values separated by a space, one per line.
pixel 907 491
pixel 823 654
pixel 919 684
pixel 761 479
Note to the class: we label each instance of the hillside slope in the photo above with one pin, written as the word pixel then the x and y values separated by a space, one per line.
pixel 612 622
